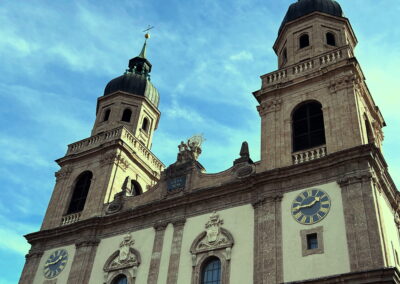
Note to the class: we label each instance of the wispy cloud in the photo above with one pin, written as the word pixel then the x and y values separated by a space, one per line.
pixel 242 56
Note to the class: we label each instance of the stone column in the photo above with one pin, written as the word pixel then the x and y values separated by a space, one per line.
pixel 83 261
pixel 268 266
pixel 176 245
pixel 31 266
pixel 156 254
pixel 362 228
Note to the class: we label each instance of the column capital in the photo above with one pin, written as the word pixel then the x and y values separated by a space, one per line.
pixel 179 222
pixel 160 225
pixel 87 242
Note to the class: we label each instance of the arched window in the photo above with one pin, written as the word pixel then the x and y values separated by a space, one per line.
pixel 284 55
pixel 120 279
pixel 211 272
pixel 330 39
pixel 308 126
pixel 136 188
pixel 81 190
pixel 126 116
pixel 145 124
pixel 304 41
pixel 106 115
pixel 370 135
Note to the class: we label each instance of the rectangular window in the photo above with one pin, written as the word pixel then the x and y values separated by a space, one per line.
pixel 312 241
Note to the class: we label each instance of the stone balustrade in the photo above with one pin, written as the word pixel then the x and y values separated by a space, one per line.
pixel 70 219
pixel 296 70
pixel 309 155
pixel 117 133
pixel 94 141
pixel 330 57
pixel 275 76
pixel 304 66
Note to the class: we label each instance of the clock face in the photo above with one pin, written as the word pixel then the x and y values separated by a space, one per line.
pixel 311 206
pixel 55 263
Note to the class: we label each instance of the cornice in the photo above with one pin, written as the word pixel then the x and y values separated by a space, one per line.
pixel 267 185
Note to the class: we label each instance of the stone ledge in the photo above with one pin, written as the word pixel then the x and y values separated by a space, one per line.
pixel 378 276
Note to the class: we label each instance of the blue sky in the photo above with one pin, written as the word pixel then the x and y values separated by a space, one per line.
pixel 207 56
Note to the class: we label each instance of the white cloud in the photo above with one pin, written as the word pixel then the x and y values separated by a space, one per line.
pixel 242 56
pixel 14 231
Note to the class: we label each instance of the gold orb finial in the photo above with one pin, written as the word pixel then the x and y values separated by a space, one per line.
pixel 147 35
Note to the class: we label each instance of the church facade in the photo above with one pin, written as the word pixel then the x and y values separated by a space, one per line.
pixel 319 206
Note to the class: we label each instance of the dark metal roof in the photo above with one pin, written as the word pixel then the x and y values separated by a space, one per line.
pixel 133 83
pixel 304 7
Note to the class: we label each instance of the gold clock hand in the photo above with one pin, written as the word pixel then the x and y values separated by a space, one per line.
pixel 316 199
pixel 54 262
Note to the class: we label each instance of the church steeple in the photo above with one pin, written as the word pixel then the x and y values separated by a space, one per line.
pixel 317 102
pixel 140 64
pixel 130 100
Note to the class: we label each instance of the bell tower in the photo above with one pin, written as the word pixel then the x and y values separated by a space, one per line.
pixel 115 161
pixel 317 102
pixel 130 100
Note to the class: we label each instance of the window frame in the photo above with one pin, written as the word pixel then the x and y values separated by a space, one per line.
pixel 304 241
pixel 205 264
pixel 73 192
pixel 106 115
pixel 113 281
pixel 333 37
pixel 222 252
pixel 130 115
pixel 303 35
pixel 146 123
pixel 295 143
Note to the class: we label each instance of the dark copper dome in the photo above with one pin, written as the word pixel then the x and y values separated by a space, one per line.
pixel 304 7
pixel 133 83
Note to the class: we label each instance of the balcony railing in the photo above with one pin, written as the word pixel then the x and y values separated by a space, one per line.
pixel 315 63
pixel 113 134
pixel 309 155
pixel 70 218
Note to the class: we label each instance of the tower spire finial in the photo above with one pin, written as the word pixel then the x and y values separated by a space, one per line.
pixel 146 36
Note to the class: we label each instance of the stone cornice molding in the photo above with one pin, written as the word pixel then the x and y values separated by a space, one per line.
pixel 238 190
pixel 63 173
pixel 34 254
pixel 269 106
pixel 356 178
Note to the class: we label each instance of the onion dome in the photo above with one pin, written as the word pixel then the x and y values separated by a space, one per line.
pixel 305 7
pixel 136 79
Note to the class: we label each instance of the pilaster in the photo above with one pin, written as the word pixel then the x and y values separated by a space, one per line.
pixel 173 268
pixel 362 229
pixel 157 250
pixel 31 266
pixel 83 260
pixel 268 265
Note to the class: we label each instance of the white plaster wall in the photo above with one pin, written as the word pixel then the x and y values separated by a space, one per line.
pixel 62 278
pixel 143 243
pixel 334 260
pixel 165 254
pixel 239 221
pixel 389 228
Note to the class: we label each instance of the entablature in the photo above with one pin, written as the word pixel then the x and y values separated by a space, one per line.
pixel 271 184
